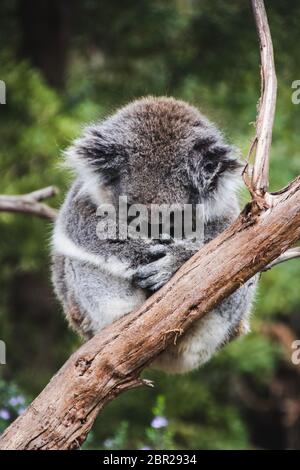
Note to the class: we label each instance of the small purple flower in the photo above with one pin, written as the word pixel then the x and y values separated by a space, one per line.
pixel 145 448
pixel 108 443
pixel 159 422
pixel 4 414
pixel 21 410
pixel 18 400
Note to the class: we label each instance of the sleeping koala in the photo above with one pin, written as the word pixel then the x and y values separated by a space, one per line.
pixel 153 151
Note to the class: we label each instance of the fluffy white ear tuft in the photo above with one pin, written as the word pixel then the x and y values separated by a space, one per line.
pixel 95 153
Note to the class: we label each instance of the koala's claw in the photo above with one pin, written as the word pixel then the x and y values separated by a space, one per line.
pixel 154 275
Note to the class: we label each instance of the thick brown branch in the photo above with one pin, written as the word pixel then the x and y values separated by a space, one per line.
pixel 29 203
pixel 111 362
pixel 267 103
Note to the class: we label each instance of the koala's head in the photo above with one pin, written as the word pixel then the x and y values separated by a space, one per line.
pixel 155 151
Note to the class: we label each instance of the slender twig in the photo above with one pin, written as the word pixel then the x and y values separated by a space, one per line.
pixel 267 102
pixel 43 193
pixel 288 255
pixel 29 203
pixel 259 184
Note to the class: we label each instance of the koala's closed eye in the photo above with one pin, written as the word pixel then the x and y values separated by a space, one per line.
pixel 211 166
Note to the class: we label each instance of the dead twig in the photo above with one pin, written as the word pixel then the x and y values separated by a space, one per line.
pixel 267 103
pixel 30 203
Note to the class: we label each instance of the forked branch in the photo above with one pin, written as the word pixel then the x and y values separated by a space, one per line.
pixel 30 203
pixel 267 102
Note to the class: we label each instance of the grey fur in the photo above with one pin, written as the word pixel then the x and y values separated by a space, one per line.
pixel 154 151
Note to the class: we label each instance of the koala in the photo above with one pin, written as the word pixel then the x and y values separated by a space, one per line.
pixel 155 150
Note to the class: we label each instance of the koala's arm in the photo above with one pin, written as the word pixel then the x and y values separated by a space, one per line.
pixel 97 281
pixel 166 260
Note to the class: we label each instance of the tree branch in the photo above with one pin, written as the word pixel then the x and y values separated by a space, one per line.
pixel 288 255
pixel 267 102
pixel 29 203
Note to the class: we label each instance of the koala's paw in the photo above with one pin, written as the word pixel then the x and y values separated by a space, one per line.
pixel 154 275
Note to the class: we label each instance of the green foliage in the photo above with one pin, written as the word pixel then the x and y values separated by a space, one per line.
pixel 158 435
pixel 12 404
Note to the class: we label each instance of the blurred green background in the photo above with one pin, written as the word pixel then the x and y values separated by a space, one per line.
pixel 66 63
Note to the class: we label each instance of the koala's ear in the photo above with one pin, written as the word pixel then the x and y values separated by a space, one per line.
pixel 215 155
pixel 212 158
pixel 96 152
